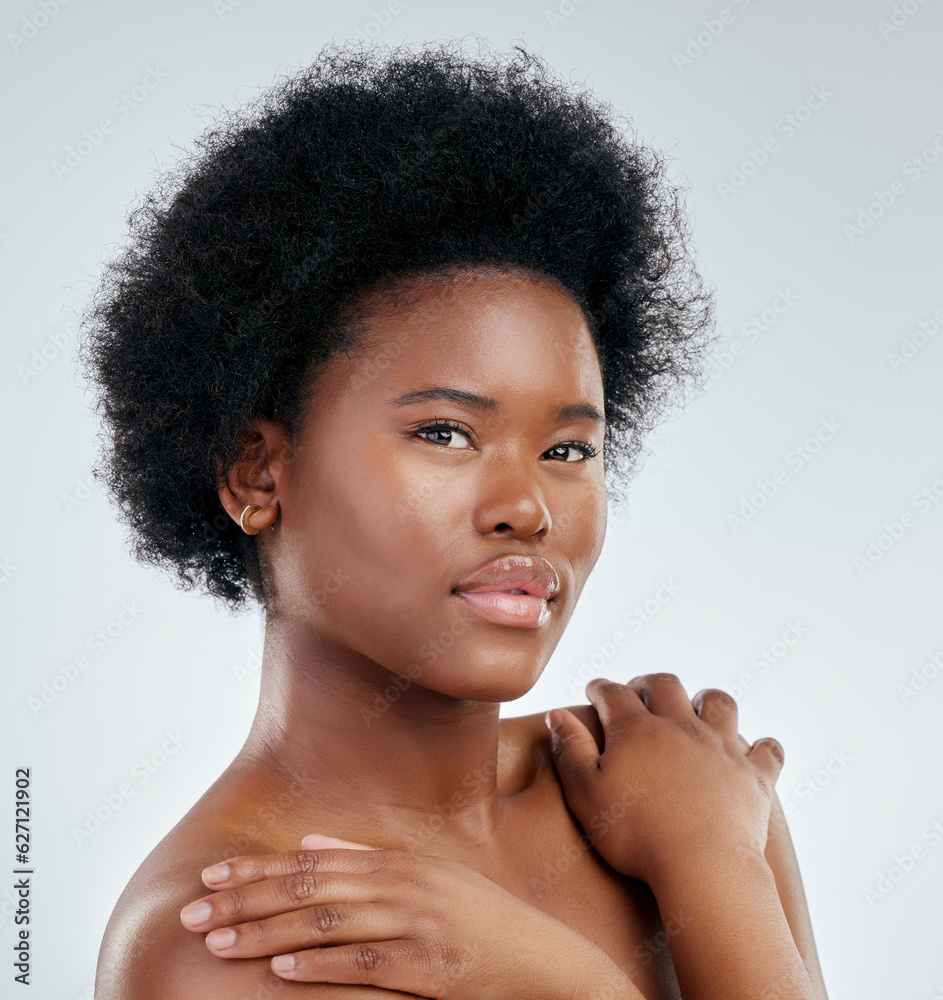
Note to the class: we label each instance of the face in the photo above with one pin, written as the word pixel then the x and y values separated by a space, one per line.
pixel 462 432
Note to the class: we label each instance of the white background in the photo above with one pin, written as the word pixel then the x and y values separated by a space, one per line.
pixel 708 93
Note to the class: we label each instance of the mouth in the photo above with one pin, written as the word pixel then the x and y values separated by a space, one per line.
pixel 512 608
pixel 515 590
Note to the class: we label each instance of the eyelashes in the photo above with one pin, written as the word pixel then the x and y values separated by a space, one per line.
pixel 448 427
pixel 583 447
pixel 443 426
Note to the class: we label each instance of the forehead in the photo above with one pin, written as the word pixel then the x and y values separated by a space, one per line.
pixel 506 333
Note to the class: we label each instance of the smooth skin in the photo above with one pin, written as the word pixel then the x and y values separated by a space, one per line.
pixel 493 891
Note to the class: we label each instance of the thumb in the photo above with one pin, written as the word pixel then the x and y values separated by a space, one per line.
pixel 574 750
pixel 321 842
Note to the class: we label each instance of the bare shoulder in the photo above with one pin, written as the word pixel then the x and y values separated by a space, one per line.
pixel 524 756
pixel 147 954
pixel 531 729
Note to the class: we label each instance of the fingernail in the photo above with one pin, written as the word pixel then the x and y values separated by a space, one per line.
pixel 322 842
pixel 554 720
pixel 313 841
pixel 283 963
pixel 216 873
pixel 194 914
pixel 225 937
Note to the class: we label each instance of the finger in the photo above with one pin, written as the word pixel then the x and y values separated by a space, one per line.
pixel 614 703
pixel 662 694
pixel 575 753
pixel 316 926
pixel 717 708
pixel 769 755
pixel 280 894
pixel 334 991
pixel 394 965
pixel 249 868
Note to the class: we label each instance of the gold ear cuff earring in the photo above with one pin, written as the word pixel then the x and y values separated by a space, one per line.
pixel 248 511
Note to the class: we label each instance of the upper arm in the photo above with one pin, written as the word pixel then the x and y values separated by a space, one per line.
pixel 147 954
pixel 781 857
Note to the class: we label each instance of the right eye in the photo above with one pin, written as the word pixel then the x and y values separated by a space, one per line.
pixel 444 433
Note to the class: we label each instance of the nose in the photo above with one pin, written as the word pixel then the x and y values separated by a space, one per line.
pixel 512 504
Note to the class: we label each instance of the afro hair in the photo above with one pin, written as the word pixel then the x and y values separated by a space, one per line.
pixel 369 167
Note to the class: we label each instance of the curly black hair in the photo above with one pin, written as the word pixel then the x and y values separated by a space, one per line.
pixel 371 168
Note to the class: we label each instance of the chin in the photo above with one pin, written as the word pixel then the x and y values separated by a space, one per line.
pixel 485 674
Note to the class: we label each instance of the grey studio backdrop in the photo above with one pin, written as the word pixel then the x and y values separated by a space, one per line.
pixel 782 539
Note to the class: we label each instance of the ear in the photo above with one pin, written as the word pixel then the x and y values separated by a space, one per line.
pixel 259 475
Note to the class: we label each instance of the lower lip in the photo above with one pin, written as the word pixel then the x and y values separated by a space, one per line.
pixel 517 610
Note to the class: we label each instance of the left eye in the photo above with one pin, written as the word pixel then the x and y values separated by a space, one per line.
pixel 567 452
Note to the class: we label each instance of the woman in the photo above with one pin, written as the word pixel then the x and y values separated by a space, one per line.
pixel 362 362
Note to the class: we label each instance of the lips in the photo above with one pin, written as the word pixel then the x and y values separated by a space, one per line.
pixel 511 590
pixel 532 574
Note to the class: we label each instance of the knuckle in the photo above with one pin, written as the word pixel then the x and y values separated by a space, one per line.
pixel 299 887
pixel 302 861
pixel 690 728
pixel 324 919
pixel 247 868
pixel 235 903
pixel 714 698
pixel 420 882
pixel 416 870
pixel 412 868
pixel 367 958
pixel 661 678
pixel 258 931
pixel 560 747
pixel 776 750
pixel 562 750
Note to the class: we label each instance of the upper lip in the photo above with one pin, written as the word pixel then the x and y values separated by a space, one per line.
pixel 532 574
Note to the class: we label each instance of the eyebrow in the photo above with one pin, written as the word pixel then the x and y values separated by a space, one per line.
pixel 571 411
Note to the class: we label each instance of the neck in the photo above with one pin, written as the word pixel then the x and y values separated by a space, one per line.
pixel 378 750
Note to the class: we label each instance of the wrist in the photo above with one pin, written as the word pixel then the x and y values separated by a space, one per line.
pixel 729 865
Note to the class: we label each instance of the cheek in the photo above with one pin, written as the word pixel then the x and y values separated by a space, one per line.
pixel 370 547
pixel 579 524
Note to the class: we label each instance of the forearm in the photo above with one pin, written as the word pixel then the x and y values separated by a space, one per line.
pixel 781 857
pixel 731 939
